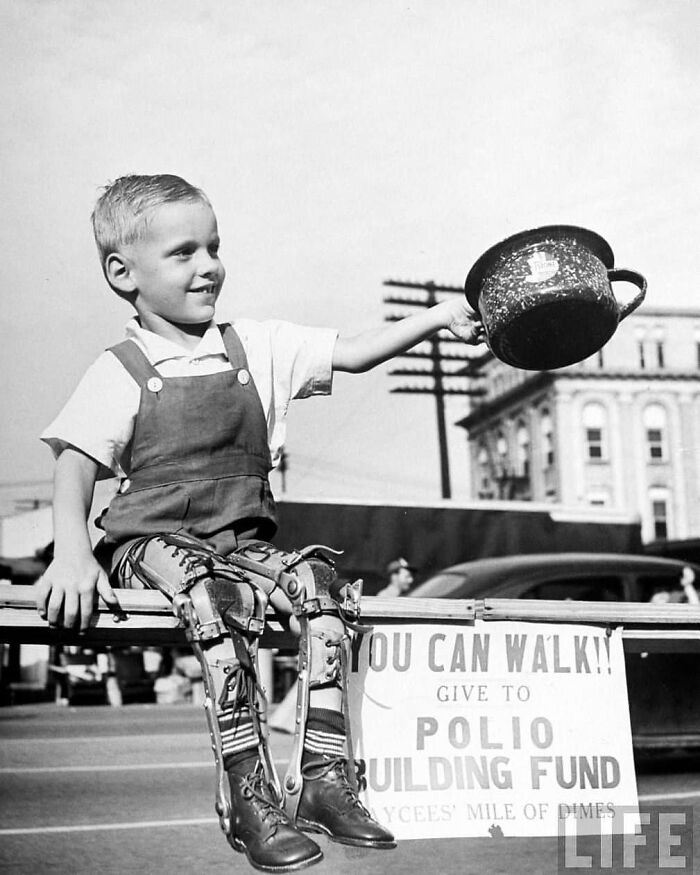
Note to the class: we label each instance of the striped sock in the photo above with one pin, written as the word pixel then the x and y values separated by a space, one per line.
pixel 238 737
pixel 325 733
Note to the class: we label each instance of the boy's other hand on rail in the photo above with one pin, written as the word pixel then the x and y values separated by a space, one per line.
pixel 65 594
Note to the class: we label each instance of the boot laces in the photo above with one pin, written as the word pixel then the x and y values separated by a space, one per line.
pixel 315 770
pixel 254 788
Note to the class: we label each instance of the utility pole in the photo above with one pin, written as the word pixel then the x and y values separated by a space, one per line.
pixel 435 358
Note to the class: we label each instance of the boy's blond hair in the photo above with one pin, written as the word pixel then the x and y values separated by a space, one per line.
pixel 121 211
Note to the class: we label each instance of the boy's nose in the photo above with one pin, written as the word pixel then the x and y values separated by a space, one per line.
pixel 206 265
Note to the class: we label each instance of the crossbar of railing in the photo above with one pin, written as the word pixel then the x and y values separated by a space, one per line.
pixel 149 619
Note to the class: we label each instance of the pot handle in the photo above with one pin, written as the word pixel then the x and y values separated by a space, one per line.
pixel 629 276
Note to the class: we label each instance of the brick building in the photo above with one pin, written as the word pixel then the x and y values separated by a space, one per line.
pixel 620 430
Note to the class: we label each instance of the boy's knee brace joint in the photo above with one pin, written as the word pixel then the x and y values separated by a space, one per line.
pixel 213 608
pixel 306 577
pixel 309 588
pixel 317 603
pixel 208 593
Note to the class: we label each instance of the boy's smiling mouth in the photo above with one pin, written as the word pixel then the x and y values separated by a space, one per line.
pixel 210 287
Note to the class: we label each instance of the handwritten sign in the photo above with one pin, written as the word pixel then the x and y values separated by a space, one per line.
pixel 493 729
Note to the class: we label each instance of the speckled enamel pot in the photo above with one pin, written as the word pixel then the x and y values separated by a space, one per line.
pixel 544 296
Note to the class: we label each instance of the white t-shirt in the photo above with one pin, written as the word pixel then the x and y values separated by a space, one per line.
pixel 286 361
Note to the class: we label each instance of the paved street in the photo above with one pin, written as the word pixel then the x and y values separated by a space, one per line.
pixel 96 789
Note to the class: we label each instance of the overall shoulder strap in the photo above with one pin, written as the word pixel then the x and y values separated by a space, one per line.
pixel 134 361
pixel 234 347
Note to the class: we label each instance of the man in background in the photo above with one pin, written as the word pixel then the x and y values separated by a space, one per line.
pixel 400 575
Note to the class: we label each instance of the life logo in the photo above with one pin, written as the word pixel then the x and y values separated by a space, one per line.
pixel 542 267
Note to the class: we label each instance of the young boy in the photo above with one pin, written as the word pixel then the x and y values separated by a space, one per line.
pixel 191 416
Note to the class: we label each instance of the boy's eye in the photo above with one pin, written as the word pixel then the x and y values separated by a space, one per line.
pixel 185 252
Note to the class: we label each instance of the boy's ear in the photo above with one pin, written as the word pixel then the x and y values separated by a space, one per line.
pixel 118 273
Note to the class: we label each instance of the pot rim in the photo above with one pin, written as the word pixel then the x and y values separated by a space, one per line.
pixel 594 242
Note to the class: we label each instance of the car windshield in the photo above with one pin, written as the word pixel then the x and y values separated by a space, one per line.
pixel 442 586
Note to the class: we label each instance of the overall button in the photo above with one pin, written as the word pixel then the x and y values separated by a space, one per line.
pixel 155 384
pixel 243 377
pixel 124 485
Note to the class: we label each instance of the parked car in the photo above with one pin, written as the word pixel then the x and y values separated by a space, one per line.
pixel 663 688
pixel 580 576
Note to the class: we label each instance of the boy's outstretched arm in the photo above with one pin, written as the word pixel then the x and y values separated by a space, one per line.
pixel 363 351
pixel 66 591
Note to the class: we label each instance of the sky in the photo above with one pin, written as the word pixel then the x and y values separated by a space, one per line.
pixel 341 144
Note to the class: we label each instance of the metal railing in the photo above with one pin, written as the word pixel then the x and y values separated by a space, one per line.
pixel 148 619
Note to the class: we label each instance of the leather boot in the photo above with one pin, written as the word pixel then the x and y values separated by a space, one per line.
pixel 259 827
pixel 330 805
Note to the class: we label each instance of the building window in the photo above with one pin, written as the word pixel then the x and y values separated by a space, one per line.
pixel 501 446
pixel 641 347
pixel 659 523
pixel 655 432
pixel 484 462
pixel 660 354
pixel 594 442
pixel 659 337
pixel 523 451
pixel 659 514
pixel 595 432
pixel 547 432
pixel 655 442
pixel 642 359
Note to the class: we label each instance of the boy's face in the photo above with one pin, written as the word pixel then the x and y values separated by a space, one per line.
pixel 175 267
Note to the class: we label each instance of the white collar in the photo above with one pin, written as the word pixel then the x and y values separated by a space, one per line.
pixel 159 349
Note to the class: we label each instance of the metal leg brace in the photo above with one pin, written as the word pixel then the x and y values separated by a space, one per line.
pixel 323 661
pixel 229 684
pixel 223 616
pixel 308 579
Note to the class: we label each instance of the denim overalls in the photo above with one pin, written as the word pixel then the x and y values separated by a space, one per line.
pixel 199 456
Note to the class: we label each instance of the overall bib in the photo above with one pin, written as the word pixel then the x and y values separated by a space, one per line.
pixel 199 456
